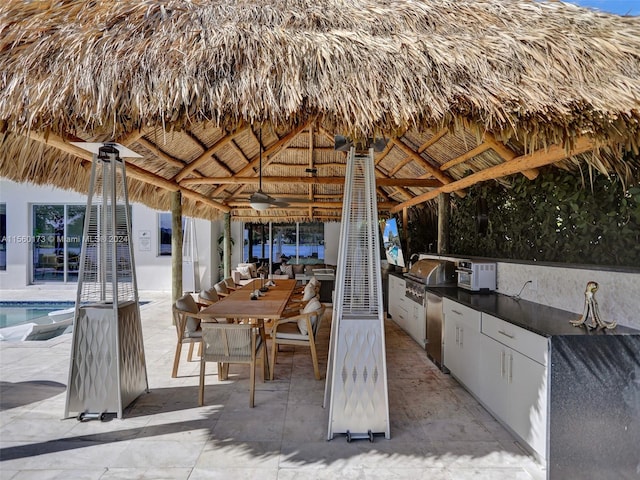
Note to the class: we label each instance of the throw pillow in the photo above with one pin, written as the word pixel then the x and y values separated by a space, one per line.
pixel 308 293
pixel 245 272
pixel 287 270
pixel 186 303
pixel 298 269
pixel 312 306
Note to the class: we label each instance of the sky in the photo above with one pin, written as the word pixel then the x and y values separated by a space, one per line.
pixel 621 7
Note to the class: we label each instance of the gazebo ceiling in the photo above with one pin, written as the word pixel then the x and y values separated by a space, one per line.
pixel 463 92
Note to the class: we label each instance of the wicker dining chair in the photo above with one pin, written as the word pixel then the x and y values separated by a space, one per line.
pixel 227 343
pixel 299 330
pixel 186 318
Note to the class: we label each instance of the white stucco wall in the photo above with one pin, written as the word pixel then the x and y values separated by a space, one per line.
pixel 153 271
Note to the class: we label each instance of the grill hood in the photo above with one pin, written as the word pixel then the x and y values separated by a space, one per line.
pixel 433 272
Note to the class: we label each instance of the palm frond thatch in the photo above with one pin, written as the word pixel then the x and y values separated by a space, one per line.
pixel 186 74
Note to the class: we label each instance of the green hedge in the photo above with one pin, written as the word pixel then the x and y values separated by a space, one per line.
pixel 558 217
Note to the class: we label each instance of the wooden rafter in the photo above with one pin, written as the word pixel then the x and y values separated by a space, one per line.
pixel 536 159
pixel 483 147
pixel 206 155
pixel 435 172
pixel 432 140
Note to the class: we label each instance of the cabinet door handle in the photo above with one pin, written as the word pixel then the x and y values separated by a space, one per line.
pixel 461 336
pixel 506 334
pixel 456 312
pixel 510 367
pixel 501 363
pixel 457 335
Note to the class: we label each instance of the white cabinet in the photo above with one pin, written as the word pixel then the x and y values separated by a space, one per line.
pixel 409 315
pixel 396 297
pixel 461 349
pixel 417 322
pixel 513 379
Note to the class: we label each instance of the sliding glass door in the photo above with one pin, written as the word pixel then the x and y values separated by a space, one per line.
pixel 300 242
pixel 57 241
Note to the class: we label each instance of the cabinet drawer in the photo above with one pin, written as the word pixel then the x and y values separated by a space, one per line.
pixel 528 343
pixel 461 313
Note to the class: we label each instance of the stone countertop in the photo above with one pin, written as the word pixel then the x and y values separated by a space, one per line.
pixel 541 319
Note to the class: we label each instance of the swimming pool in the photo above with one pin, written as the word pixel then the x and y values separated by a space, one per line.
pixel 14 313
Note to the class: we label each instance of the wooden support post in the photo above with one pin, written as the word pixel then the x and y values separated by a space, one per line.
pixel 444 212
pixel 226 253
pixel 176 244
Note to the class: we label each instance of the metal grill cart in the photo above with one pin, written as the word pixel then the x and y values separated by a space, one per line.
pixel 107 370
pixel 356 385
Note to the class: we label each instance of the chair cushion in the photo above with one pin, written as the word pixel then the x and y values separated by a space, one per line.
pixel 252 269
pixel 312 306
pixel 210 294
pixel 308 293
pixel 244 271
pixel 186 303
pixel 221 287
pixel 289 331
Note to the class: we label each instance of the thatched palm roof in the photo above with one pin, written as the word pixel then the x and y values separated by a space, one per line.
pixel 465 91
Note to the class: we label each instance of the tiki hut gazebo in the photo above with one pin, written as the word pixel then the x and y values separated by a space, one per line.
pixel 462 92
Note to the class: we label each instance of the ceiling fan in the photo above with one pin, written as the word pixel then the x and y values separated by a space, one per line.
pixel 262 201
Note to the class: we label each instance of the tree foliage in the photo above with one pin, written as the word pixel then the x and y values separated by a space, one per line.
pixel 558 217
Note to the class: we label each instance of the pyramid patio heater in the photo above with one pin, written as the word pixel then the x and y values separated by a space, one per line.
pixel 356 385
pixel 107 370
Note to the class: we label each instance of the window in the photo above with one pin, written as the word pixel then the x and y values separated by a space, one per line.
pixel 57 241
pixel 164 234
pixel 3 236
pixel 301 242
pixel 165 230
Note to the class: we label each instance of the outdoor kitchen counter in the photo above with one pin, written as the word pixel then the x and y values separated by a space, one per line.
pixel 592 387
pixel 535 317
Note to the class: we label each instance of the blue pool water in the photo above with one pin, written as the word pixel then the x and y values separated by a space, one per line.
pixel 16 313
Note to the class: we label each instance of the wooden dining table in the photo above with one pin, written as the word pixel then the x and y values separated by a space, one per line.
pixel 238 304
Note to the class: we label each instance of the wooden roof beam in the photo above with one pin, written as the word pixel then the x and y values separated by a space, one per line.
pixel 435 172
pixel 380 181
pixel 282 143
pixel 537 159
pixel 314 205
pixel 507 154
pixel 132 170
